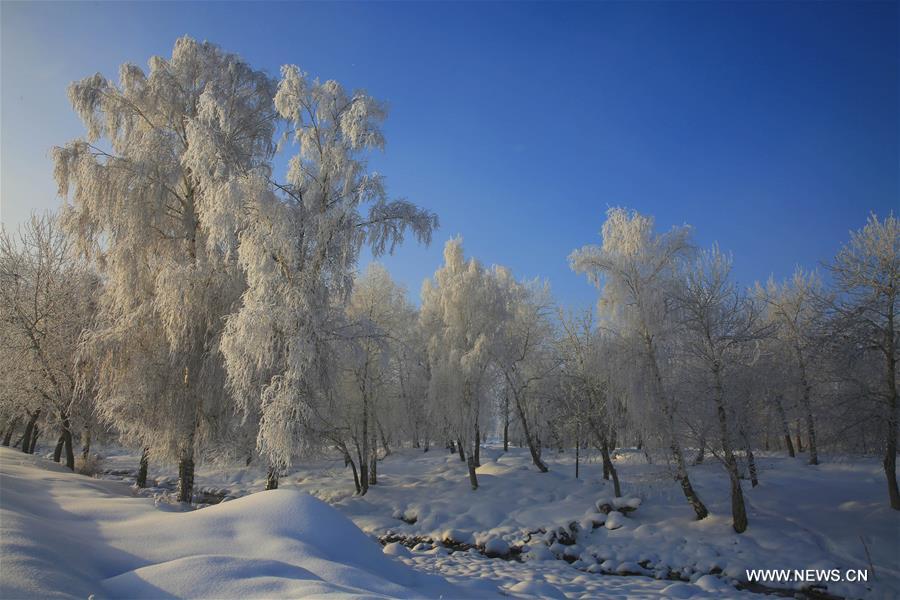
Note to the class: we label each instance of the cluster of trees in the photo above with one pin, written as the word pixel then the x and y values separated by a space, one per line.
pixel 189 304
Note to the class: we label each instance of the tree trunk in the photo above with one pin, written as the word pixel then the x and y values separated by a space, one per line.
pixel 799 440
pixel 473 478
pixel 11 430
pixel 348 460
pixel 701 453
pixel 384 443
pixel 681 468
pixel 686 487
pixel 85 443
pixel 34 438
pixel 533 446
pixel 462 452
pixel 57 451
pixel 67 443
pixel 505 422
pixel 29 430
pixel 608 467
pixel 272 478
pixel 751 465
pixel 476 451
pixel 577 455
pixel 373 466
pixel 890 452
pixel 785 429
pixel 186 476
pixel 807 407
pixel 142 469
pixel 608 464
pixel 738 509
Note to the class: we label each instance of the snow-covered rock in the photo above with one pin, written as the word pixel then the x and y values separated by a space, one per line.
pixel 615 520
pixel 496 547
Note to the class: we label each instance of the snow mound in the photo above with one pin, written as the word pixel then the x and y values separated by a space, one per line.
pixel 66 535
pixel 537 589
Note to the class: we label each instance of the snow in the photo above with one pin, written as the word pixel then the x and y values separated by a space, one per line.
pixel 64 535
pixel 287 543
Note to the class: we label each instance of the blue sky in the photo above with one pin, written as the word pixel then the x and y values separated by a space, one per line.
pixel 772 128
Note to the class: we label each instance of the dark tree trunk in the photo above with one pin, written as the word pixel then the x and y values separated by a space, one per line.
pixel 505 423
pixel 890 450
pixel 186 477
pixel 7 438
pixel 272 478
pixel 57 451
pixel 142 469
pixel 462 452
pixel 577 455
pixel 473 478
pixel 785 429
pixel 85 443
pixel 29 430
pixel 476 451
pixel 608 467
pixel 807 407
pixel 701 452
pixel 384 443
pixel 681 468
pixel 67 443
pixel 534 447
pixel 363 471
pixel 738 509
pixel 608 464
pixel 686 487
pixel 799 440
pixel 751 466
pixel 349 461
pixel 34 438
pixel 373 467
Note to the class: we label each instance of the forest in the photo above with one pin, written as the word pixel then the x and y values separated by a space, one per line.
pixel 199 301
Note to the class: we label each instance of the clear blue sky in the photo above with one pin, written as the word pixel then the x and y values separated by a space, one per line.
pixel 771 127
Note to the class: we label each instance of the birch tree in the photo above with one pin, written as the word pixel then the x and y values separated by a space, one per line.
pixel 634 268
pixel 523 352
pixel 867 276
pixel 153 198
pixel 794 308
pixel 720 326
pixel 462 311
pixel 298 252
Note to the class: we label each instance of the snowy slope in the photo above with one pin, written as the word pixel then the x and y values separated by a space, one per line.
pixel 64 535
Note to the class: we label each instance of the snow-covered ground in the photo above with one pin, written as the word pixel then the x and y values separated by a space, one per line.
pixel 67 532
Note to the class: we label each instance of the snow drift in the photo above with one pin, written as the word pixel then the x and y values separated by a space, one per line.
pixel 64 535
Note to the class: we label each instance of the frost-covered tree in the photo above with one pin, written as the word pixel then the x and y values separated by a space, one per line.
pixel 462 311
pixel 721 326
pixel 298 250
pixel 635 268
pixel 587 374
pixel 794 308
pixel 522 352
pixel 867 277
pixel 156 200
pixel 369 403
pixel 46 302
